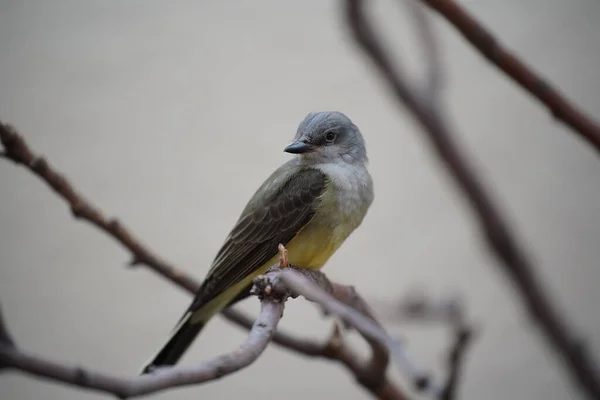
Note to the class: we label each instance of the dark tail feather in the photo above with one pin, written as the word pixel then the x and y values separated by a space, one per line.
pixel 183 336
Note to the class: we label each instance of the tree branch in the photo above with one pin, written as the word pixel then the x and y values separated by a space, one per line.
pixel 449 312
pixel 255 343
pixel 5 338
pixel 371 374
pixel 462 339
pixel 17 150
pixel 336 349
pixel 491 48
pixel 300 285
pixel 375 370
pixel 513 260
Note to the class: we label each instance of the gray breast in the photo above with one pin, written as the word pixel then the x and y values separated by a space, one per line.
pixel 352 192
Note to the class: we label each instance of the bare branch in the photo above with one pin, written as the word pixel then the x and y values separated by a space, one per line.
pixel 450 312
pixel 255 343
pixel 371 374
pixel 165 378
pixel 334 349
pixel 435 77
pixel 17 150
pixel 491 48
pixel 375 369
pixel 499 237
pixel 299 284
pixel 417 307
pixel 462 339
pixel 308 347
pixel 5 338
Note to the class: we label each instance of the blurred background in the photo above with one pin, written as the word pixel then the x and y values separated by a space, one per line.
pixel 170 114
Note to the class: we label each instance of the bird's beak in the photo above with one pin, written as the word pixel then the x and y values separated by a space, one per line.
pixel 300 147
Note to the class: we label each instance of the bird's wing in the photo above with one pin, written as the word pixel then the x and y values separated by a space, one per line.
pixel 273 216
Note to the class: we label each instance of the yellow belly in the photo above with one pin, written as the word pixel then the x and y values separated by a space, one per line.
pixel 310 249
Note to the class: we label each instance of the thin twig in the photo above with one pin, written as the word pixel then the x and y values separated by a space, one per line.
pixel 373 370
pixel 463 336
pixel 491 48
pixel 255 343
pixel 417 307
pixel 5 337
pixel 498 235
pixel 17 150
pixel 450 312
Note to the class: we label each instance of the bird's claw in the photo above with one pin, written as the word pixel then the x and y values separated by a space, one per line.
pixel 283 256
pixel 268 286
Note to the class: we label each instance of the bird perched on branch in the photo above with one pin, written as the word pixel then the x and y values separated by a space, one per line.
pixel 310 204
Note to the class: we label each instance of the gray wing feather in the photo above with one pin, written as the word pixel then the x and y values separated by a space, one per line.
pixel 253 241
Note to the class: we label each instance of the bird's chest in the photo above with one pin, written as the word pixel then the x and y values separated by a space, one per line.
pixel 346 203
pixel 343 207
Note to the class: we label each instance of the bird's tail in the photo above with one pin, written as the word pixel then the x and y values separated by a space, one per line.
pixel 183 335
pixel 190 325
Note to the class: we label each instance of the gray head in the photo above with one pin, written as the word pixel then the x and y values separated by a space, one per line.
pixel 328 136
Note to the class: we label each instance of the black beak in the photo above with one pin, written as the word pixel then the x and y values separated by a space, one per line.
pixel 300 147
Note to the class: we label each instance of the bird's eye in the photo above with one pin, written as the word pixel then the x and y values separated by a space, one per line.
pixel 330 137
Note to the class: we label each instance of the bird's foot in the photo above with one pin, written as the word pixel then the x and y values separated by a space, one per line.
pixel 283 256
pixel 269 286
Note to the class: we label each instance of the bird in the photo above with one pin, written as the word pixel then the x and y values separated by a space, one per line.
pixel 310 204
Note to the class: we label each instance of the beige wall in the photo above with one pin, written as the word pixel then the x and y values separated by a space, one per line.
pixel 170 114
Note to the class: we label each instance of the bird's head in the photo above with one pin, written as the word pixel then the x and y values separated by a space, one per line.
pixel 328 136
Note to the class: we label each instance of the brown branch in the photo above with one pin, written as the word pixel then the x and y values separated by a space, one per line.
pixel 498 235
pixel 462 339
pixel 449 312
pixel 417 307
pixel 255 343
pixel 371 374
pixel 299 284
pixel 5 338
pixel 375 369
pixel 334 349
pixel 17 150
pixel 491 48
pixel 434 77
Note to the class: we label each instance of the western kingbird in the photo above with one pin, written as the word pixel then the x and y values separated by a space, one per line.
pixel 310 204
